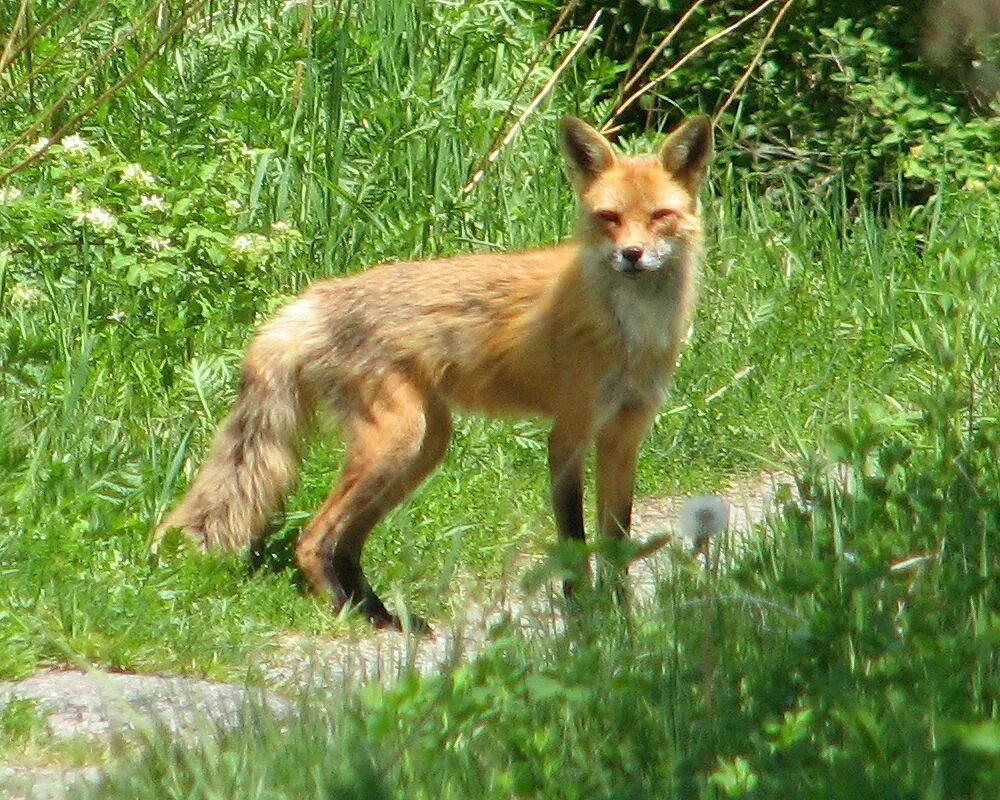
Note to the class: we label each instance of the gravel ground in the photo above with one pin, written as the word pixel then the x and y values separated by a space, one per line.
pixel 101 708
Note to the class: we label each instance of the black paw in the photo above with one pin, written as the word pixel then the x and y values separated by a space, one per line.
pixel 383 620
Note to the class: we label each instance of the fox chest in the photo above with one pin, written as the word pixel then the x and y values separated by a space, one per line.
pixel 648 320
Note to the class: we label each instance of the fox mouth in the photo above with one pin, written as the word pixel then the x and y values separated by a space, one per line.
pixel 633 270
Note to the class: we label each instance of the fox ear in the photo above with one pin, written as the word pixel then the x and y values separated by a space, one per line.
pixel 586 151
pixel 687 151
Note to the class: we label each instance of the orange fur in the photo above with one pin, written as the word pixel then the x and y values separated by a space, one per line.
pixel 585 333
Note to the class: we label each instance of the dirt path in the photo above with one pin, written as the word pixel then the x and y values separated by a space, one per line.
pixel 383 655
pixel 97 708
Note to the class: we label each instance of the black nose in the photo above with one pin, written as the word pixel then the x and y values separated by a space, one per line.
pixel 632 254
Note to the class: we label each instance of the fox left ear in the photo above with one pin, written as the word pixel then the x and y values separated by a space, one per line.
pixel 687 151
pixel 587 153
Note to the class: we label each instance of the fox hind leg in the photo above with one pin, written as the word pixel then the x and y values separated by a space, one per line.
pixel 395 444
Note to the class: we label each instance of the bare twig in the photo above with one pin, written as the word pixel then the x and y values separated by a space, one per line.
pixel 39 68
pixel 763 6
pixel 754 61
pixel 632 75
pixel 477 176
pixel 9 58
pixel 58 104
pixel 664 43
pixel 305 42
pixel 7 55
pixel 107 94
pixel 515 96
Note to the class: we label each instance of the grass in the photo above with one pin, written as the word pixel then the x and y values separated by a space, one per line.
pixel 850 342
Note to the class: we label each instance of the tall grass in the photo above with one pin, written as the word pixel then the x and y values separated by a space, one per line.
pixel 848 652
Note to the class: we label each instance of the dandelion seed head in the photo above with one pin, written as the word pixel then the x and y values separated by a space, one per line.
pixel 703 517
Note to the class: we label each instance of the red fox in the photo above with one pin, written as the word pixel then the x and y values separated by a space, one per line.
pixel 585 333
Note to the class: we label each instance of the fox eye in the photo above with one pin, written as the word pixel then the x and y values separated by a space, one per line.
pixel 609 216
pixel 663 213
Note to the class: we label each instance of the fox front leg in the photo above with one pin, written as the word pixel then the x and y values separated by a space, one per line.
pixel 618 444
pixel 566 454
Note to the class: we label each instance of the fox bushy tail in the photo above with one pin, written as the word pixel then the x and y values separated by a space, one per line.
pixel 250 467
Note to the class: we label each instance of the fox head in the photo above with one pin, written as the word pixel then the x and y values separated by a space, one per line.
pixel 638 214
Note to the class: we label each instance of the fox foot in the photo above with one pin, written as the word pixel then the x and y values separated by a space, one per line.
pixel 373 609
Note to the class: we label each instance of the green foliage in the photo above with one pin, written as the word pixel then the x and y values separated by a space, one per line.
pixel 91 225
pixel 842 89
pixel 20 721
pixel 314 754
pixel 891 561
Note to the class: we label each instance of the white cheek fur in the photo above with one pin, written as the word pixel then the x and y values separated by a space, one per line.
pixel 653 258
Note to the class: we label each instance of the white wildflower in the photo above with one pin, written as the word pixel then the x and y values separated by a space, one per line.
pixel 702 517
pixel 40 145
pixel 250 244
pixel 9 194
pixel 24 294
pixel 241 243
pixel 134 173
pixel 234 206
pixel 116 316
pixel 158 243
pixel 284 231
pixel 74 144
pixel 152 201
pixel 75 196
pixel 97 217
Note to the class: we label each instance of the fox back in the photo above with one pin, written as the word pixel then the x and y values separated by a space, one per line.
pixel 521 332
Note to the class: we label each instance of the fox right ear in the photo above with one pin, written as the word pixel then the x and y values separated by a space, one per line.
pixel 687 151
pixel 586 151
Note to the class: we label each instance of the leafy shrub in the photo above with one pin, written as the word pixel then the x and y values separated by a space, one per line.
pixel 841 89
